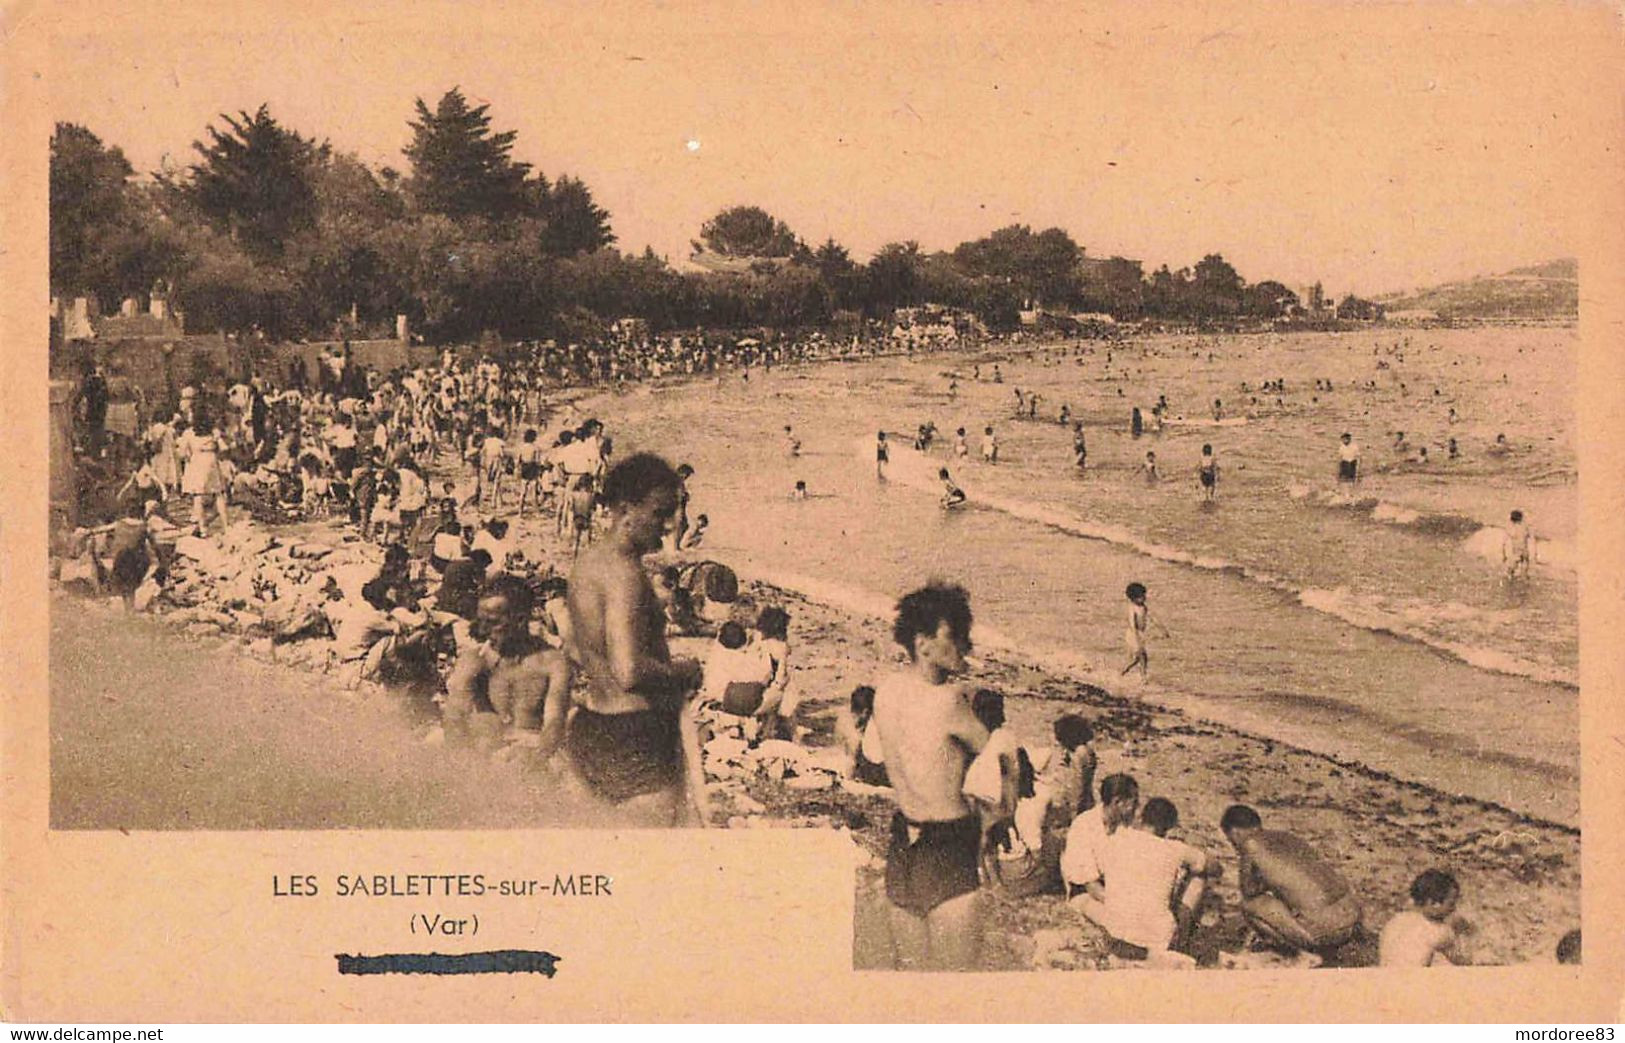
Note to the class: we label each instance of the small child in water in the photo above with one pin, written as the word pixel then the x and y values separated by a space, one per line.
pixel 1415 937
pixel 952 495
pixel 990 447
pixel 697 533
pixel 800 491
pixel 1516 547
pixel 1149 468
pixel 1139 623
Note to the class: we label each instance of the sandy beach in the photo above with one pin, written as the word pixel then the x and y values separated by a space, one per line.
pixel 1520 874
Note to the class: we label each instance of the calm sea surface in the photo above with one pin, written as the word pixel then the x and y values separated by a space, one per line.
pixel 1371 623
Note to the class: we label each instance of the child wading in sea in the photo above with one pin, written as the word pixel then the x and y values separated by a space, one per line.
pixel 1139 621
pixel 1207 472
pixel 1517 547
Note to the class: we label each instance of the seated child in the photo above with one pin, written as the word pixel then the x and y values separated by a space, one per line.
pixel 992 778
pixel 1153 885
pixel 779 701
pixel 735 680
pixel 1415 937
pixel 861 742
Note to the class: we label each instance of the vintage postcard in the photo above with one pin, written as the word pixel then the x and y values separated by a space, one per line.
pixel 712 512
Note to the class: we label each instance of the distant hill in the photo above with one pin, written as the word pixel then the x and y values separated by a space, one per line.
pixel 1541 291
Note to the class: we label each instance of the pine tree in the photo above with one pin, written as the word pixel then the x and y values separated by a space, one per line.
pixel 460 167
pixel 575 224
pixel 255 182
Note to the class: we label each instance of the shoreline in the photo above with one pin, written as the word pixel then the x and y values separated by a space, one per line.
pixel 1520 873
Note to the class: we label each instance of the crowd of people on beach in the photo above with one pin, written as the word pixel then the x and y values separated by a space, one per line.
pixel 441 466
pixel 975 810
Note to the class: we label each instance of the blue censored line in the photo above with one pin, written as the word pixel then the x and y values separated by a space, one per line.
pixel 504 961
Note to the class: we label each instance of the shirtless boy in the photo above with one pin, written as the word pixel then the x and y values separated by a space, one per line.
pixel 930 736
pixel 1290 896
pixel 526 682
pixel 624 739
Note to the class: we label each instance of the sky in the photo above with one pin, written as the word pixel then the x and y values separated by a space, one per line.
pixel 1373 147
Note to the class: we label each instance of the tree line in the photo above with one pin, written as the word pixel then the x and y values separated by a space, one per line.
pixel 267 230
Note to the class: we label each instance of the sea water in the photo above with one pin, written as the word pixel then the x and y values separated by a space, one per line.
pixel 1373 622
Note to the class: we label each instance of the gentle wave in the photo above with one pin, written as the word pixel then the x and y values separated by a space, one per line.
pixel 1480 540
pixel 1406 619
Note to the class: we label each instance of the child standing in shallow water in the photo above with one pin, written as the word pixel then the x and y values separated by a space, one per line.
pixel 1139 622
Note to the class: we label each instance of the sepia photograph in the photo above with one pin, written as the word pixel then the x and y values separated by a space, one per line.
pixel 1121 475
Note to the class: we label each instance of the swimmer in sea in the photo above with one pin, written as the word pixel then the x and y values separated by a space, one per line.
pixel 1149 468
pixel 990 447
pixel 1348 459
pixel 882 456
pixel 952 495
pixel 792 444
pixel 961 448
pixel 1080 448
pixel 800 491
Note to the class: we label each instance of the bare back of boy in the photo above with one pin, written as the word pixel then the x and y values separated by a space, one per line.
pixel 1291 894
pixel 623 740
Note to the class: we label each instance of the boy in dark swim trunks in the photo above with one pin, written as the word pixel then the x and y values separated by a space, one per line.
pixel 882 456
pixel 930 736
pixel 630 742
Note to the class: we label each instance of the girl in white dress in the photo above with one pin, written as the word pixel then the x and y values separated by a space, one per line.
pixel 200 448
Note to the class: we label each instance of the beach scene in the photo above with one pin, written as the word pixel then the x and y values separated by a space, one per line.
pixel 1143 557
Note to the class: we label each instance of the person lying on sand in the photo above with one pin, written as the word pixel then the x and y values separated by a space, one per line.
pixel 930 736
pixel 1292 898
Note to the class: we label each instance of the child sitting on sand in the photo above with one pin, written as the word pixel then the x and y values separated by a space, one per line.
pixel 952 495
pixel 1153 887
pixel 735 681
pixel 779 700
pixel 991 781
pixel 861 742
pixel 1416 936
